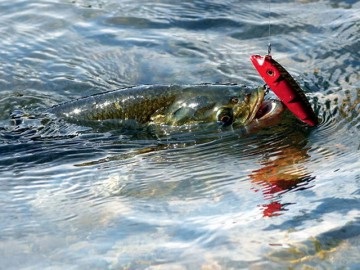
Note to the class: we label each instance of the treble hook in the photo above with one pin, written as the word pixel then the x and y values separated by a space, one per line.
pixel 267 89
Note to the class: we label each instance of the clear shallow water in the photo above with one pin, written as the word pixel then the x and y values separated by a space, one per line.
pixel 284 197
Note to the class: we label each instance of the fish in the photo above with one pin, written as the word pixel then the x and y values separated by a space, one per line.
pixel 174 105
pixel 285 87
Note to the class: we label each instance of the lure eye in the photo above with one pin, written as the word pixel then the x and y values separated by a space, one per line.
pixel 270 72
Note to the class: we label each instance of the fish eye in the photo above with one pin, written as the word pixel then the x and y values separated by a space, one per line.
pixel 225 116
pixel 270 72
pixel 234 100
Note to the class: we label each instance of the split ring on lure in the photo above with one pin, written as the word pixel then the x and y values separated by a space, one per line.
pixel 285 87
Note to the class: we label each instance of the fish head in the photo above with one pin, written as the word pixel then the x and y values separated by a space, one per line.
pixel 226 106
pixel 249 109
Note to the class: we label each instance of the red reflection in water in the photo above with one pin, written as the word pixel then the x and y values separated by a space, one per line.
pixel 279 174
pixel 272 209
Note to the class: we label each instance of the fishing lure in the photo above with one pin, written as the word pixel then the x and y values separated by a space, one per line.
pixel 285 87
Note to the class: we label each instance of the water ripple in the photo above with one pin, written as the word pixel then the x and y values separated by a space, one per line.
pixel 189 199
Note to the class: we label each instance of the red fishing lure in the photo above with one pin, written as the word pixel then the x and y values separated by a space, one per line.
pixel 285 87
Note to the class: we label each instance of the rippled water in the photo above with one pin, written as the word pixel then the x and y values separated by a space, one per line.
pixel 285 197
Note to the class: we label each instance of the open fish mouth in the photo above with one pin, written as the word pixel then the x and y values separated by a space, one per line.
pixel 263 110
pixel 268 109
pixel 268 114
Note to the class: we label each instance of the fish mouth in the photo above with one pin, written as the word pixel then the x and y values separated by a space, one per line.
pixel 269 108
pixel 265 108
pixel 256 99
pixel 268 114
pixel 263 111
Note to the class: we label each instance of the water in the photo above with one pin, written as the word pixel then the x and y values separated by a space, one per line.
pixel 286 197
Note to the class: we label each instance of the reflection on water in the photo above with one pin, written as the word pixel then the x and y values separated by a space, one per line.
pixel 279 173
pixel 285 197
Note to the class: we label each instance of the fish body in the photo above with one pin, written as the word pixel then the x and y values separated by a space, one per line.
pixel 173 105
pixel 285 87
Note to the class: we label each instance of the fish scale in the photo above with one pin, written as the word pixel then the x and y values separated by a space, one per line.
pixel 166 104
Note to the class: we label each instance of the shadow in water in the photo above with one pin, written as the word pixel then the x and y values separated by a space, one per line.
pixel 316 251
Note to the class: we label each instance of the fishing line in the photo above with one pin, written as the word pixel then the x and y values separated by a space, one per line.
pixel 269 44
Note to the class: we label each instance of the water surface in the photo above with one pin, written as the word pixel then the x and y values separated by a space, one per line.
pixel 285 197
